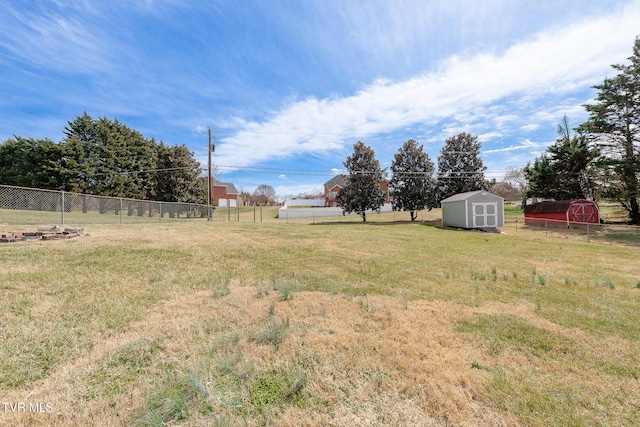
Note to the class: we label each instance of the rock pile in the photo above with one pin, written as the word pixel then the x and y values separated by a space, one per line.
pixel 50 232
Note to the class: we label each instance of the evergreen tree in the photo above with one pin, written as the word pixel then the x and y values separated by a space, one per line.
pixel 460 168
pixel 107 158
pixel 563 171
pixel 126 159
pixel 614 125
pixel 80 162
pixel 28 162
pixel 103 157
pixel 176 178
pixel 362 191
pixel 412 184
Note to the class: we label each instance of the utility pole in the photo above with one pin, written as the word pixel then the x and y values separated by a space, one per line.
pixel 210 178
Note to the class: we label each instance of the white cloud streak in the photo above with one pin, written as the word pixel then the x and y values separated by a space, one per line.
pixel 55 41
pixel 524 145
pixel 561 61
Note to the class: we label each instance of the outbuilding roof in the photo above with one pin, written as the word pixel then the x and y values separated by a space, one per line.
pixel 464 196
pixel 543 207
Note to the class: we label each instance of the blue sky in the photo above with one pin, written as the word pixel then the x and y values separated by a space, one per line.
pixel 288 87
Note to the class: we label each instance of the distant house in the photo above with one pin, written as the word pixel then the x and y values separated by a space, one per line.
pixel 333 186
pixel 331 189
pixel 562 212
pixel 474 209
pixel 225 194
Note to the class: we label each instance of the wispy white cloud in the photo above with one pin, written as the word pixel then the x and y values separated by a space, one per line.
pixel 54 40
pixel 530 127
pixel 525 144
pixel 561 61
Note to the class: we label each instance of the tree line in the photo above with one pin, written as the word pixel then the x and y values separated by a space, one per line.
pixel 600 159
pixel 107 158
pixel 414 186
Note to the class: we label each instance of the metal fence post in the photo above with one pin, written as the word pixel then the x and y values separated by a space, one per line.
pixel 62 194
pixel 120 210
pixel 160 210
pixel 545 228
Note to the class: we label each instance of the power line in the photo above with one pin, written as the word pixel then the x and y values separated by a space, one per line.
pixel 143 171
pixel 304 133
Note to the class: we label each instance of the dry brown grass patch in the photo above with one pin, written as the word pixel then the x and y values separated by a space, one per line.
pixel 391 365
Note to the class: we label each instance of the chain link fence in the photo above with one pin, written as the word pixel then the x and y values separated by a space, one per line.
pixel 29 206
pixel 19 205
pixel 597 233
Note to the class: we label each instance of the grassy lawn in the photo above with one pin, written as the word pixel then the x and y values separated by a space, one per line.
pixel 331 323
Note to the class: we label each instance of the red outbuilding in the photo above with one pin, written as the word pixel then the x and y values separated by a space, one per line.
pixel 562 212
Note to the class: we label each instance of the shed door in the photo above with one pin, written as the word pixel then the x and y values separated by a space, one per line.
pixel 582 212
pixel 485 214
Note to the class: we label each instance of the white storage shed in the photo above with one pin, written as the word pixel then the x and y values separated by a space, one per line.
pixel 474 209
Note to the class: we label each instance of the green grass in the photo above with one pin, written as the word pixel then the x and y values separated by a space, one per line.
pixel 508 330
pixel 512 209
pixel 126 366
pixel 173 402
pixel 273 387
pixel 61 299
pixel 535 393
pixel 285 289
pixel 274 333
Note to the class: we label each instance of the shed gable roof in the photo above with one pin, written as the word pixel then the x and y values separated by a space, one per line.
pixel 464 196
pixel 552 207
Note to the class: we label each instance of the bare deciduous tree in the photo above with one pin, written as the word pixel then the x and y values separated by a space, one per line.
pixel 517 178
pixel 264 195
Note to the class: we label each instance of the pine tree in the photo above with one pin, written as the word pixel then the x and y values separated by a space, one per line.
pixel 29 162
pixel 362 191
pixel 81 159
pixel 563 171
pixel 412 184
pixel 107 158
pixel 614 125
